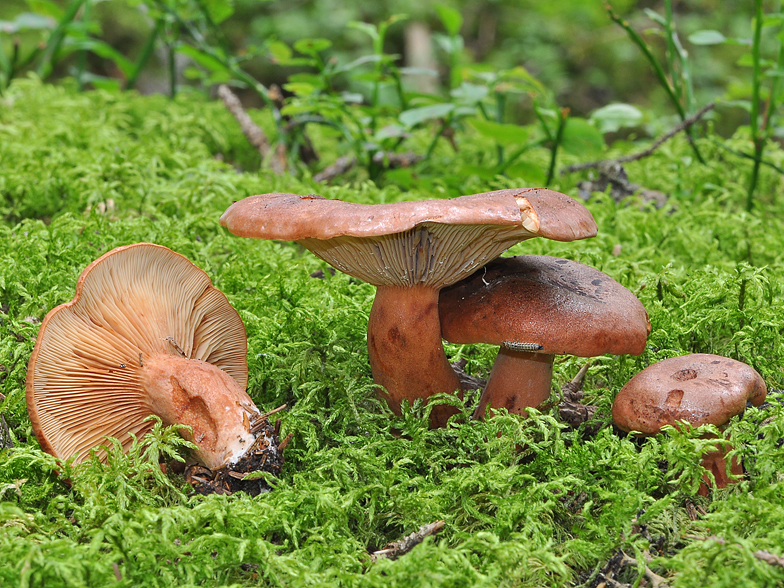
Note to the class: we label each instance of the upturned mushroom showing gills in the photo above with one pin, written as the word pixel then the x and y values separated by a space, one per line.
pixel 146 334
pixel 535 307
pixel 409 251
pixel 701 389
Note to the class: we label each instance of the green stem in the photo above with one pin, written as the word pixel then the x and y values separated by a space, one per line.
pixel 500 107
pixel 432 146
pixel 145 55
pixel 554 149
pixel 56 39
pixel 657 69
pixel 759 143
pixel 172 63
pixel 82 59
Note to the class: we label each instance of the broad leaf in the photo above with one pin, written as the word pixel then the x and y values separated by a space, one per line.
pixel 451 18
pixel 613 117
pixel 581 138
pixel 503 134
pixel 414 116
pixel 707 37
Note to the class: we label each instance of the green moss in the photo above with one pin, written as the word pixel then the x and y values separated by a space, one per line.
pixel 526 502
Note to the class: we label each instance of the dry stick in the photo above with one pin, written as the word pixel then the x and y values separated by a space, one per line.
pixel 655 579
pixel 5 434
pixel 649 151
pixel 762 554
pixel 251 130
pixel 406 544
pixel 571 388
pixel 345 163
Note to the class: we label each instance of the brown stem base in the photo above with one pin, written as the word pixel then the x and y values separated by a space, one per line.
pixel 519 380
pixel 406 354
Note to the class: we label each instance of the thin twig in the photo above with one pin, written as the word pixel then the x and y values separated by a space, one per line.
pixel 762 554
pixel 341 166
pixel 655 579
pixel 407 543
pixel 250 129
pixel 649 151
pixel 345 163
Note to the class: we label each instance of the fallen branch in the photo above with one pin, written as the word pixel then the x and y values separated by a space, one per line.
pixel 619 560
pixel 406 544
pixel 251 130
pixel 647 152
pixel 762 554
pixel 345 163
pixel 5 434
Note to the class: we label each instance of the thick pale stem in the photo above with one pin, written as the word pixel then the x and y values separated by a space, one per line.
pixel 406 353
pixel 519 380
pixel 198 394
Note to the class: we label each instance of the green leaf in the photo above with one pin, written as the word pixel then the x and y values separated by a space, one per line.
pixel 27 21
pixel 581 138
pixel 532 173
pixel 312 46
pixel 104 50
pixel 470 93
pixel 46 8
pixel 451 18
pixel 707 37
pixel 300 88
pixel 367 28
pixel 503 134
pixel 219 10
pixel 414 116
pixel 203 59
pixel 280 52
pixel 613 117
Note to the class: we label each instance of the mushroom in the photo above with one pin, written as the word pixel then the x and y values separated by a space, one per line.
pixel 146 333
pixel 700 389
pixel 535 307
pixel 409 251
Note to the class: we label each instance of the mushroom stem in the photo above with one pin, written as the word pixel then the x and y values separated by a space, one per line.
pixel 716 463
pixel 198 394
pixel 519 380
pixel 404 344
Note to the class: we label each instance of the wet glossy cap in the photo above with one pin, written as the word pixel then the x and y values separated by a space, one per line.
pixel 700 389
pixel 552 305
pixel 432 242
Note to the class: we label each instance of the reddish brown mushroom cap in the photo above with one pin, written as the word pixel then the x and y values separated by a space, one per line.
pixel 432 242
pixel 141 313
pixel 556 305
pixel 700 389
pixel 410 250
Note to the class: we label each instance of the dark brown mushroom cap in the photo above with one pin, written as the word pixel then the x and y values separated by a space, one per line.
pixel 433 242
pixel 700 389
pixel 562 306
pixel 85 379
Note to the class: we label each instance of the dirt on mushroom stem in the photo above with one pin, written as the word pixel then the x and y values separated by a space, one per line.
pixel 264 456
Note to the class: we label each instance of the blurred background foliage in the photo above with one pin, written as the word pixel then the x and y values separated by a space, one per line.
pixel 570 46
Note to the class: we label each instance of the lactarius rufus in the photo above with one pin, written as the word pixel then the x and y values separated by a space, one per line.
pixel 701 389
pixel 146 334
pixel 536 307
pixel 409 251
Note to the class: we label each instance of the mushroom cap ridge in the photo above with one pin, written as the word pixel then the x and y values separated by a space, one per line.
pixel 433 243
pixel 292 217
pixel 564 306
pixel 699 388
pixel 84 375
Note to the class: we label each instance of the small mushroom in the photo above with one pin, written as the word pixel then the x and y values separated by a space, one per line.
pixel 535 307
pixel 146 334
pixel 409 251
pixel 699 389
